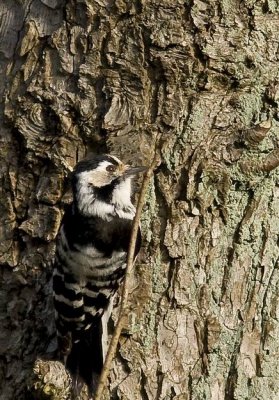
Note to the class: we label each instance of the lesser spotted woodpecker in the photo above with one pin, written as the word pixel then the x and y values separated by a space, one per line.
pixel 90 262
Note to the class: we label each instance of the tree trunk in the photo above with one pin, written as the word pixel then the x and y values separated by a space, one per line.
pixel 107 76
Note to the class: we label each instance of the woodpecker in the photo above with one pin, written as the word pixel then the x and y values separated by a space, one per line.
pixel 90 262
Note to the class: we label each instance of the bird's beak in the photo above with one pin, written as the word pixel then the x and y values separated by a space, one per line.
pixel 130 171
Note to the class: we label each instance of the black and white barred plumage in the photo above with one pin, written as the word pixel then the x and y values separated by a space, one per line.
pixel 90 261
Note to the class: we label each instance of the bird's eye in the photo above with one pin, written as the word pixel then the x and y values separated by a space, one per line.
pixel 111 168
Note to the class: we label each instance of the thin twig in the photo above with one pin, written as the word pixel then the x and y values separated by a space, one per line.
pixel 125 291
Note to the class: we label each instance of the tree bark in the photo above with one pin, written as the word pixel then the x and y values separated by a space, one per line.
pixel 82 76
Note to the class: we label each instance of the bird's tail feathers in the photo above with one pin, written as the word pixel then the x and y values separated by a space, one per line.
pixel 87 356
pixel 85 360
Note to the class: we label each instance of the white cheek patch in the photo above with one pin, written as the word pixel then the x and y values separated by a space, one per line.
pixel 121 198
pixel 121 194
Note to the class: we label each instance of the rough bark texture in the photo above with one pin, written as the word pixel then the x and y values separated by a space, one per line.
pixel 103 75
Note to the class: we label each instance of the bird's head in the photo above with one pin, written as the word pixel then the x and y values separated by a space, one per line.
pixel 102 181
pixel 103 170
